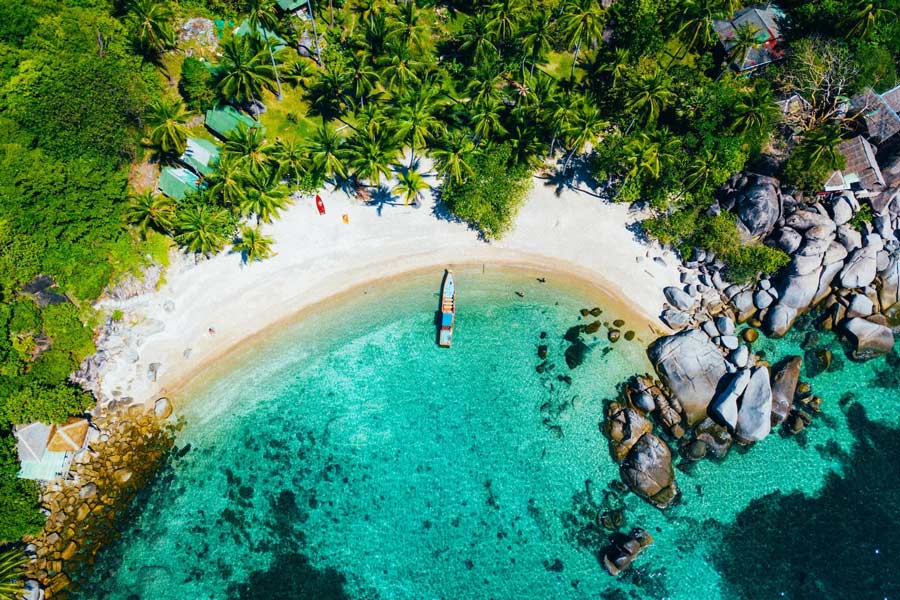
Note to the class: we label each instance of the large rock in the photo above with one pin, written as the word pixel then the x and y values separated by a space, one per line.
pixel 859 270
pixel 754 420
pixel 803 220
pixel 690 366
pixel 798 291
pixel 778 320
pixel 725 407
pixel 758 207
pixel 624 549
pixel 785 377
pixel 624 426
pixel 869 339
pixel 787 239
pixel 678 298
pixel 647 470
pixel 889 289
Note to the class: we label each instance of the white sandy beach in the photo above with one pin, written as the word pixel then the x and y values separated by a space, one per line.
pixel 319 256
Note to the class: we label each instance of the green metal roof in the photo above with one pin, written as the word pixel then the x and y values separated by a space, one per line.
pixel 201 155
pixel 178 182
pixel 245 29
pixel 290 5
pixel 224 120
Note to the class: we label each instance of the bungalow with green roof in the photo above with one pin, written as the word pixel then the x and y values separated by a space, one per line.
pixel 245 29
pixel 201 155
pixel 290 6
pixel 224 120
pixel 178 182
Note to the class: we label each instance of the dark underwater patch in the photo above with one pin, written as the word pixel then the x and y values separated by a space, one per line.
pixel 842 543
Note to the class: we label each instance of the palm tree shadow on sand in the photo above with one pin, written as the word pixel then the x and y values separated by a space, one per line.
pixel 842 543
pixel 576 177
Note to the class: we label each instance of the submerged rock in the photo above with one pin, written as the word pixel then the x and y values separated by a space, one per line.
pixel 647 471
pixel 576 354
pixel 624 549
pixel 785 377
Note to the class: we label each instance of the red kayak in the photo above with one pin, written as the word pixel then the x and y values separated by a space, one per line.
pixel 320 205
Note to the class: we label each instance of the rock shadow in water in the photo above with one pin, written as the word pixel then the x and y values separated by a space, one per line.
pixel 842 543
pixel 291 576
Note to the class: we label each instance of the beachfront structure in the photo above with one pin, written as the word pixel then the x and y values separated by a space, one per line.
pixel 764 22
pixel 46 451
pixel 201 155
pixel 178 182
pixel 291 5
pixel 861 172
pixel 880 113
pixel 225 120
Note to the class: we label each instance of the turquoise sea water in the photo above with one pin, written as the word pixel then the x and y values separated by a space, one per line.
pixel 349 457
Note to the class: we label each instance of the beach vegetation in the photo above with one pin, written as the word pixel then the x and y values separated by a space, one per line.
pixel 252 245
pixel 491 197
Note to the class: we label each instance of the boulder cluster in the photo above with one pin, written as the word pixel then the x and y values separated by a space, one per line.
pixel 847 267
pixel 86 509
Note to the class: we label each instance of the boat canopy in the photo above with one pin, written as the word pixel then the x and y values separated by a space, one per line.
pixel 446 319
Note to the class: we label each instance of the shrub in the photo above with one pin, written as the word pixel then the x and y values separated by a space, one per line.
pixel 196 85
pixel 490 199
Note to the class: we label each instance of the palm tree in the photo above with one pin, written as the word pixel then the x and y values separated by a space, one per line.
pixel 263 19
pixel 168 132
pixel 151 21
pixel 536 38
pixel 408 27
pixel 646 156
pixel 363 78
pixel 226 184
pixel 586 129
pixel 371 156
pixel 476 37
pixel 248 148
pixel 263 197
pixel 291 158
pixel 562 116
pixel 504 19
pixel 582 22
pixel 12 574
pixel 526 144
pixel 399 69
pixel 416 120
pixel 701 171
pixel 326 153
pixel 246 68
pixel 452 156
pixel 330 93
pixel 148 211
pixel 486 119
pixel 650 94
pixel 410 185
pixel 755 110
pixel 202 228
pixel 821 146
pixel 696 29
pixel 367 9
pixel 864 18
pixel 253 245
pixel 746 38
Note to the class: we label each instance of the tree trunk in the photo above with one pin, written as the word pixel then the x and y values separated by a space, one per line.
pixel 275 68
pixel 575 58
pixel 315 33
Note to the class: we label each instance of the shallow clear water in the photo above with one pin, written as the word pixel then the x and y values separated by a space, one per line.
pixel 349 457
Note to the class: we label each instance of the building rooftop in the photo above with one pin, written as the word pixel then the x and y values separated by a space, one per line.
pixel 245 29
pixel 70 437
pixel 31 441
pixel 861 172
pixel 226 119
pixel 764 21
pixel 201 155
pixel 178 182
pixel 879 113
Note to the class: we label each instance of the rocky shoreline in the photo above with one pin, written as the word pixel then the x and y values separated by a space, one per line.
pixel 86 509
pixel 710 390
